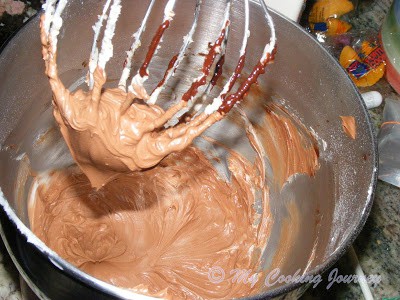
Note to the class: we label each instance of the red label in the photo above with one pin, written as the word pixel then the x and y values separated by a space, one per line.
pixel 375 58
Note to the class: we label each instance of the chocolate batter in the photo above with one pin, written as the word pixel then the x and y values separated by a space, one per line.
pixel 159 231
pixel 156 231
pixel 290 147
pixel 349 126
pixel 105 135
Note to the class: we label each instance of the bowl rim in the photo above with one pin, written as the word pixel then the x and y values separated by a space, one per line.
pixel 122 293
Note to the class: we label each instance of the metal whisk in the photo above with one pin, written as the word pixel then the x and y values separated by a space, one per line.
pixel 100 57
pixel 205 112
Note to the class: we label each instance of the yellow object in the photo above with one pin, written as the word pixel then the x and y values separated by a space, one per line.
pixel 347 56
pixel 336 26
pixel 332 26
pixel 373 68
pixel 325 9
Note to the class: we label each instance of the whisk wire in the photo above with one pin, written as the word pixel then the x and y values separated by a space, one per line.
pixel 94 55
pixel 136 44
pixel 177 59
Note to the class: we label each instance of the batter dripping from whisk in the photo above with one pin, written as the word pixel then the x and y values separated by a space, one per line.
pixel 106 132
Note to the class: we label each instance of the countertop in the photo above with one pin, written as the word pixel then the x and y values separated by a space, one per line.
pixel 378 245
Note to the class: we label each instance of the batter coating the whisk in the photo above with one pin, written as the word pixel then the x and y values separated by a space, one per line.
pixel 106 132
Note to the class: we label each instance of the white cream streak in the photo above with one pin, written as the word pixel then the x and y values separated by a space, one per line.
pixel 246 26
pixel 94 55
pixel 49 9
pixel 269 48
pixel 169 10
pixel 218 50
pixel 168 15
pixel 199 106
pixel 136 44
pixel 187 40
pixel 137 87
pixel 217 102
pixel 107 49
pixel 56 24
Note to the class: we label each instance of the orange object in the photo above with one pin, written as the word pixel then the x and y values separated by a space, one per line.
pixel 349 126
pixel 367 68
pixel 325 9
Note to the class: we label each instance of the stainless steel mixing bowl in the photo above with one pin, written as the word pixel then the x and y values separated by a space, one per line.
pixel 332 207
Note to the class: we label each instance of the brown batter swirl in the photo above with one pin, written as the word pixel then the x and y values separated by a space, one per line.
pixel 156 231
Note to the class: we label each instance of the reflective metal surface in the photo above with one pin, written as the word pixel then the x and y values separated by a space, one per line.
pixel 309 83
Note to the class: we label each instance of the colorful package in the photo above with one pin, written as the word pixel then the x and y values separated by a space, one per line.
pixel 365 66
pixel 325 16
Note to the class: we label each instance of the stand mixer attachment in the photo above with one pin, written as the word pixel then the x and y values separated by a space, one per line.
pixel 110 131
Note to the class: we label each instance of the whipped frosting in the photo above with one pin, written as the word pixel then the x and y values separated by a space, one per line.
pixel 157 231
